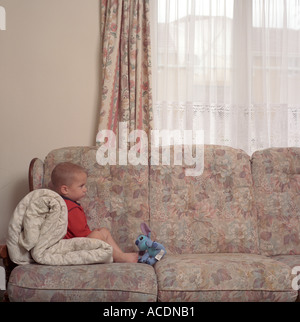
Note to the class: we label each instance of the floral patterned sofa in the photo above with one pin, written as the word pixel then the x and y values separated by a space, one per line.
pixel 231 234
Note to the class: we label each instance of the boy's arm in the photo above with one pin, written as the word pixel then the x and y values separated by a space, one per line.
pixel 77 223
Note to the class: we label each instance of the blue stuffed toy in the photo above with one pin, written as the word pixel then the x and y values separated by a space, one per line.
pixel 150 251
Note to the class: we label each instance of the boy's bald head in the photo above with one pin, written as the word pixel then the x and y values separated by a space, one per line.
pixel 64 174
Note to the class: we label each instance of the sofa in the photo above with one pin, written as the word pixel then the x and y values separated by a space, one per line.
pixel 231 234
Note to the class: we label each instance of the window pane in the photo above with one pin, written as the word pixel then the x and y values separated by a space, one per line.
pixel 276 14
pixel 194 48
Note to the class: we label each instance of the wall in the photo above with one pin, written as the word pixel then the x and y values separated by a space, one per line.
pixel 49 86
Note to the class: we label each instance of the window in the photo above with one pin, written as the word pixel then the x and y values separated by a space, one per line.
pixel 230 68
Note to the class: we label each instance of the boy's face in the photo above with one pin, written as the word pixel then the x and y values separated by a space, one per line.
pixel 77 189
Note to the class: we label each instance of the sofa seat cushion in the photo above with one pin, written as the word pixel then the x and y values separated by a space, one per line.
pixel 290 260
pixel 85 283
pixel 223 277
pixel 293 261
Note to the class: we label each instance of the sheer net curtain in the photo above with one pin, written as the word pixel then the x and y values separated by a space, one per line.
pixel 229 68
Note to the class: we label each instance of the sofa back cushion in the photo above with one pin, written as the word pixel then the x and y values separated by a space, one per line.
pixel 276 178
pixel 212 212
pixel 117 196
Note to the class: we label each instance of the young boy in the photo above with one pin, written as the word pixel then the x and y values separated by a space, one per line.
pixel 69 180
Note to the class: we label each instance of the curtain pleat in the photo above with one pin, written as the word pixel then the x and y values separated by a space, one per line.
pixel 126 62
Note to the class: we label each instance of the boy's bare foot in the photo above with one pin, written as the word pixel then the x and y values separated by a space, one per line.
pixel 126 257
pixel 133 257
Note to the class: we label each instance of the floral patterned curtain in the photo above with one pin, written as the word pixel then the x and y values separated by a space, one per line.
pixel 126 88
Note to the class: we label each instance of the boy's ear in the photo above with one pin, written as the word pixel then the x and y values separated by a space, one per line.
pixel 64 189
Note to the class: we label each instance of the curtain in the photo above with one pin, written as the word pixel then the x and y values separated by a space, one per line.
pixel 126 62
pixel 230 68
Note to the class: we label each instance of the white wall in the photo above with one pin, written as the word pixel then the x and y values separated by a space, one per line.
pixel 49 86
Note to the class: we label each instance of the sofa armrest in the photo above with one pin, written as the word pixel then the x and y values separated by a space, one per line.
pixel 36 174
pixel 8 265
